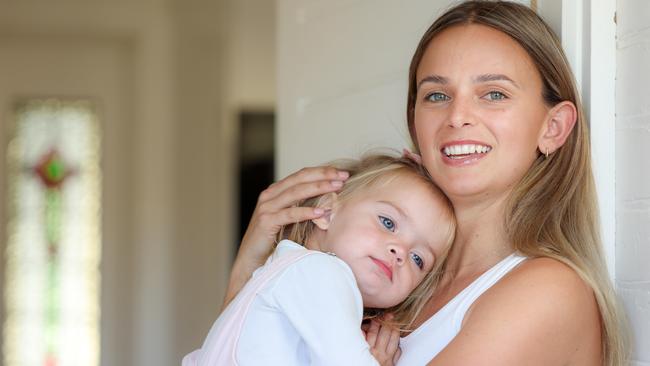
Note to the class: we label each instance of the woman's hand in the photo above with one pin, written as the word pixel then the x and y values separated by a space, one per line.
pixel 276 208
pixel 384 342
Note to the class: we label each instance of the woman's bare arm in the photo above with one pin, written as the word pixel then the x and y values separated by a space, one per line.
pixel 276 208
pixel 541 313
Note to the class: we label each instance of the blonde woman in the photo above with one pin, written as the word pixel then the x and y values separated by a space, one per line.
pixel 375 248
pixel 494 112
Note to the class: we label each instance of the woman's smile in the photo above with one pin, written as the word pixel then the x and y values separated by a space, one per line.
pixel 464 152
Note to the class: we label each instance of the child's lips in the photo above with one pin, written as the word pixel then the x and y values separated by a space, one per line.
pixel 384 267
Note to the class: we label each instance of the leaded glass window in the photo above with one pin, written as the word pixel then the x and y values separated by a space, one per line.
pixel 52 278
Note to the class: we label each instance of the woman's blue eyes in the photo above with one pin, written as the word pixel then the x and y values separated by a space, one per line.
pixel 388 223
pixel 496 95
pixel 441 97
pixel 437 97
pixel 417 260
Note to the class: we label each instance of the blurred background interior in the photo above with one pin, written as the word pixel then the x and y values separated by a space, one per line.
pixel 135 136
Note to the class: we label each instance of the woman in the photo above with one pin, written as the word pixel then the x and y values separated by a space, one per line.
pixel 494 112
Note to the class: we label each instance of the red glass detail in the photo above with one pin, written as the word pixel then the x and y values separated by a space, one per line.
pixel 52 170
pixel 50 360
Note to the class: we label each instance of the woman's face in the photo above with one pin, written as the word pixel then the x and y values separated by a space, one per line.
pixel 479 112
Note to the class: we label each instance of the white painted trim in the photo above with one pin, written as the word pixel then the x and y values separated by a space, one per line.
pixel 573 36
pixel 589 40
pixel 588 35
pixel 602 113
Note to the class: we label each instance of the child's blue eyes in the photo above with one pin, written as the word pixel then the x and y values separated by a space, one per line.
pixel 388 223
pixel 390 226
pixel 418 260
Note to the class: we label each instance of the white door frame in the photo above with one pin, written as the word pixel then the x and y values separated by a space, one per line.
pixel 588 32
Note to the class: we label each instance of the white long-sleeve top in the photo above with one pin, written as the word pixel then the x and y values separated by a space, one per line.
pixel 301 308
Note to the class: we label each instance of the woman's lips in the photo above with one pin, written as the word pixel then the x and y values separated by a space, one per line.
pixel 463 152
pixel 384 267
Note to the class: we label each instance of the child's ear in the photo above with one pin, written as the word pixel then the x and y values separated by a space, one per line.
pixel 326 202
pixel 560 121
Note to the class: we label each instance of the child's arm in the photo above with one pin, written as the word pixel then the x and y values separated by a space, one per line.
pixel 319 297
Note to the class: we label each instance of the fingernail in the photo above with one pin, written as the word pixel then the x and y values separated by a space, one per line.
pixel 337 184
pixel 319 211
pixel 343 174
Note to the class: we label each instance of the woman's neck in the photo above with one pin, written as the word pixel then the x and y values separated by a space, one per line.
pixel 481 241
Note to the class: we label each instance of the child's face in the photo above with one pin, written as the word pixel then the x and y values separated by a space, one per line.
pixel 390 236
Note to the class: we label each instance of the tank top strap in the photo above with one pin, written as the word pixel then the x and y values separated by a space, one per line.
pixel 424 343
pixel 468 296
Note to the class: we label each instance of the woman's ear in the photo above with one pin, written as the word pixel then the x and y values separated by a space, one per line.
pixel 326 202
pixel 559 124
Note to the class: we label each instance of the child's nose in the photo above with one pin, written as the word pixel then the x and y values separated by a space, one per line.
pixel 398 253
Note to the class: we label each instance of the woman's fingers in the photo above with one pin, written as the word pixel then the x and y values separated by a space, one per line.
pixel 297 193
pixel 304 175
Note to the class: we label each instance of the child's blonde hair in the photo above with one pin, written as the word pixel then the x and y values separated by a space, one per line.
pixel 372 170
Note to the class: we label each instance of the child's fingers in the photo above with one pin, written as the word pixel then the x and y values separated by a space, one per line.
pixel 364 327
pixel 383 337
pixel 397 355
pixel 372 333
pixel 393 342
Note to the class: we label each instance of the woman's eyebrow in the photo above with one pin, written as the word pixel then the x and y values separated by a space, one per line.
pixel 494 77
pixel 437 79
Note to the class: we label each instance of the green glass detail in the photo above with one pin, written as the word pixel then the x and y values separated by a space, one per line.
pixel 53 216
pixel 55 170
pixel 52 316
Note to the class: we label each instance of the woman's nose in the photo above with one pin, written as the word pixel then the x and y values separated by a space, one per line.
pixel 461 112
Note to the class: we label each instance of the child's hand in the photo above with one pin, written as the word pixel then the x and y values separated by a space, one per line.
pixel 384 343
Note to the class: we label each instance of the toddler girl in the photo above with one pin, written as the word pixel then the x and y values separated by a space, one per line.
pixel 374 248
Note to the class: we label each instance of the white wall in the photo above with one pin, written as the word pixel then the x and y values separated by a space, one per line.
pixel 633 169
pixel 342 76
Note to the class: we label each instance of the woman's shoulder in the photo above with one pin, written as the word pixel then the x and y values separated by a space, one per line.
pixel 545 286
pixel 547 309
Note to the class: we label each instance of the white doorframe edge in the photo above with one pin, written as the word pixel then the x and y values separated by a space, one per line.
pixel 589 40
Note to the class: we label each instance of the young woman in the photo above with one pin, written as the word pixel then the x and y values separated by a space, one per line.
pixel 376 248
pixel 495 114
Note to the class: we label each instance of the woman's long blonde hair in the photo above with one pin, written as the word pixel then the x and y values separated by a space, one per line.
pixel 372 170
pixel 552 212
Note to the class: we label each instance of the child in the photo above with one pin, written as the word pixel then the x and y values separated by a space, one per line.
pixel 375 248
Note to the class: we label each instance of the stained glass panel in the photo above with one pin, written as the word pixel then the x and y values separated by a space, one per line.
pixel 53 247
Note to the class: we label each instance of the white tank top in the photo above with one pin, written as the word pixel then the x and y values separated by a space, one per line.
pixel 423 344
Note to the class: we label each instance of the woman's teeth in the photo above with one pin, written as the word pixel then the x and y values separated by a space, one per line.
pixel 460 150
